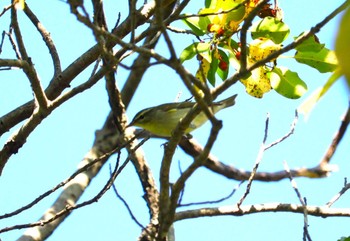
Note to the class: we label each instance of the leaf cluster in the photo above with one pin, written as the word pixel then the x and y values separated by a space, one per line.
pixel 223 47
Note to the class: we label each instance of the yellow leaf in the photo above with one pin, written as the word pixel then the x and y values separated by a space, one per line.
pixel 342 46
pixel 202 73
pixel 261 48
pixel 258 83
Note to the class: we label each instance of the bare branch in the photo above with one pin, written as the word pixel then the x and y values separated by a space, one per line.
pixel 30 71
pixel 12 63
pixel 257 162
pixel 99 15
pixel 62 81
pixel 125 203
pixel 178 30
pixel 168 205
pixel 339 194
pixel 163 204
pixel 104 147
pixel 191 147
pixel 306 234
pixel 52 190
pixel 12 41
pixel 53 217
pixel 132 11
pixel 234 210
pixel 247 23
pixel 5 9
pixel 215 201
pixel 18 139
pixel 336 139
pixel 47 39
pixel 291 131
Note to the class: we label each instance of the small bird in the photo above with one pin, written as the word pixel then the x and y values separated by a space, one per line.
pixel 161 120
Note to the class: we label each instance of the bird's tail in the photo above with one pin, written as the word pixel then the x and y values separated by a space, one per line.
pixel 230 101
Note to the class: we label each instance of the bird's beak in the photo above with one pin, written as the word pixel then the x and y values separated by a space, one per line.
pixel 129 125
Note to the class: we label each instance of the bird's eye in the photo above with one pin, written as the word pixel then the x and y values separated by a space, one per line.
pixel 141 117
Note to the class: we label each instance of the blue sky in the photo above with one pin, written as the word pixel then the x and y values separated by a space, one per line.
pixel 53 151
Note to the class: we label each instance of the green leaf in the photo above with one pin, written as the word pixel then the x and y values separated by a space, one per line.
pixel 213 67
pixel 212 4
pixel 237 14
pixel 192 50
pixel 197 24
pixel 344 239
pixel 271 28
pixel 223 73
pixel 323 60
pixel 311 44
pixel 287 83
pixel 234 62
pixel 207 3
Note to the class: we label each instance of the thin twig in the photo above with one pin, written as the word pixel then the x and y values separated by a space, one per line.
pixel 234 210
pixel 2 40
pixel 133 217
pixel 61 82
pixel 63 183
pixel 46 38
pixel 132 11
pixel 30 71
pixel 247 23
pixel 257 162
pixel 13 43
pixel 180 30
pixel 337 138
pixel 291 131
pixel 306 234
pixel 68 208
pixel 5 9
pixel 18 139
pixel 80 88
pixel 339 194
pixel 49 192
pixel 183 190
pixel 215 201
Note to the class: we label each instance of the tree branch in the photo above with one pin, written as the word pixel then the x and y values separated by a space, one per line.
pixel 337 138
pixel 339 194
pixel 306 234
pixel 63 80
pixel 257 162
pixel 234 210
pixel 29 69
pixel 191 147
pixel 47 39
